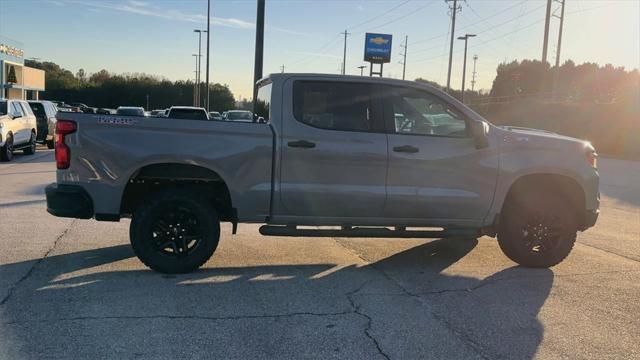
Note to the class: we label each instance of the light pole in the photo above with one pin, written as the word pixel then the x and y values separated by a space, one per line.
pixel 208 32
pixel 259 51
pixel 464 65
pixel 199 57
pixel 195 85
pixel 362 67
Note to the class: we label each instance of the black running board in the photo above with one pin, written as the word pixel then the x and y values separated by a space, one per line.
pixel 368 232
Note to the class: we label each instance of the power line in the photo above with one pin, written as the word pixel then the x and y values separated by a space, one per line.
pixel 377 16
pixel 412 12
pixel 470 25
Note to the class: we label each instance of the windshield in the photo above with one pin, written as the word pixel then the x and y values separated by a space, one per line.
pixel 240 115
pixel 3 108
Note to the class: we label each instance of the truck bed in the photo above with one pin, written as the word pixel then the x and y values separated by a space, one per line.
pixel 107 150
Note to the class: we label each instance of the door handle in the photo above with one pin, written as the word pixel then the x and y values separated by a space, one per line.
pixel 406 149
pixel 301 144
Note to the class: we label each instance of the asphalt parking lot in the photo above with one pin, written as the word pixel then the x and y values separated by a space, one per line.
pixel 73 289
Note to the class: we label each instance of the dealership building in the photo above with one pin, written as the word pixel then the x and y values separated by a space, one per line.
pixel 18 81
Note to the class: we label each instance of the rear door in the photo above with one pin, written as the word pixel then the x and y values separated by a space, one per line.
pixel 435 171
pixel 334 150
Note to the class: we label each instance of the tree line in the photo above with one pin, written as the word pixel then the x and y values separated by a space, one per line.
pixel 106 90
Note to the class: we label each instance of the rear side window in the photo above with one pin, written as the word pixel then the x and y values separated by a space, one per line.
pixel 26 109
pixel 334 105
pixel 3 108
pixel 263 102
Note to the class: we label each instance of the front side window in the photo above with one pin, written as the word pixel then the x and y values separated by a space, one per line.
pixel 420 113
pixel 3 108
pixel 333 105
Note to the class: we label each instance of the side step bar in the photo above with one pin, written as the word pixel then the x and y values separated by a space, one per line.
pixel 370 232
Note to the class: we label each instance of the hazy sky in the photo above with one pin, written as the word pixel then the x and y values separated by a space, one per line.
pixel 156 36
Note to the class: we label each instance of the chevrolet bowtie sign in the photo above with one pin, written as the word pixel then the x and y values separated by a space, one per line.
pixel 377 48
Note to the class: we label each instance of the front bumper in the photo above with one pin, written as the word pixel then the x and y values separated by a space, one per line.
pixel 590 218
pixel 69 201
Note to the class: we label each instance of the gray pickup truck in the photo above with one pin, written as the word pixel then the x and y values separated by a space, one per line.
pixel 327 155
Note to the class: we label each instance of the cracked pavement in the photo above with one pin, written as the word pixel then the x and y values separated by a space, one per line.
pixel 74 289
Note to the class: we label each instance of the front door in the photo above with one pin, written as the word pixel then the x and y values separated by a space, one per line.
pixel 435 171
pixel 334 151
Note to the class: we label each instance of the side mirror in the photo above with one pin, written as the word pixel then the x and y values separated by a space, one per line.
pixel 480 132
pixel 15 116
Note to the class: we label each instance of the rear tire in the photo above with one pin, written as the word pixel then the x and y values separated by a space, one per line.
pixel 31 149
pixel 537 230
pixel 175 231
pixel 6 151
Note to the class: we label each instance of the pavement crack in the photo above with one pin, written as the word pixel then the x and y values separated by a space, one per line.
pixel 35 265
pixel 183 317
pixel 634 259
pixel 368 328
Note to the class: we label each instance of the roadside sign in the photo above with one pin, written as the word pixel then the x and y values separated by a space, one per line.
pixel 377 48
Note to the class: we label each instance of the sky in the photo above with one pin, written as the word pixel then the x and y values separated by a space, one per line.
pixel 156 36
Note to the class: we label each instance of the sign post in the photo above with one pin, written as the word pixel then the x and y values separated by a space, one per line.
pixel 377 50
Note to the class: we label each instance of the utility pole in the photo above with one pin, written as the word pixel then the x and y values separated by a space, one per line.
pixel 545 43
pixel 464 64
pixel 454 10
pixel 147 108
pixel 199 57
pixel 208 42
pixel 344 54
pixel 257 68
pixel 556 80
pixel 473 75
pixel 195 84
pixel 282 68
pixel 404 55
pixel 561 17
pixel 362 67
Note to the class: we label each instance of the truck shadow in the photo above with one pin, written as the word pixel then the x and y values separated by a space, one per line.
pixel 412 294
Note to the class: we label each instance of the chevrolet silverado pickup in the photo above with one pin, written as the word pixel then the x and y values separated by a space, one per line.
pixel 336 156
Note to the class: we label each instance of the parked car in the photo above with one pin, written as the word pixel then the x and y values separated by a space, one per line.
pixel 239 115
pixel 157 113
pixel 130 111
pixel 214 115
pixel 45 112
pixel 105 111
pixel 188 113
pixel 18 128
pixel 333 151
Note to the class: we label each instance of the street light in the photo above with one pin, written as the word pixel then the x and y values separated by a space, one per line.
pixel 362 67
pixel 464 66
pixel 195 84
pixel 199 56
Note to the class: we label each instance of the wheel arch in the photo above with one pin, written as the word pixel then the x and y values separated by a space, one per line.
pixel 562 185
pixel 157 176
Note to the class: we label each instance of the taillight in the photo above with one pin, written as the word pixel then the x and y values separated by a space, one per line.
pixel 63 153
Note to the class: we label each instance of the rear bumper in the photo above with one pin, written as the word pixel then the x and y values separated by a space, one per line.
pixel 68 201
pixel 590 218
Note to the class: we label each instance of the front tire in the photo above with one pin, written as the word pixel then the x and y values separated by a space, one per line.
pixel 31 149
pixel 6 151
pixel 176 231
pixel 538 230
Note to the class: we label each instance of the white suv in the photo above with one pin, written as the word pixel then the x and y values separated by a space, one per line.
pixel 18 129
